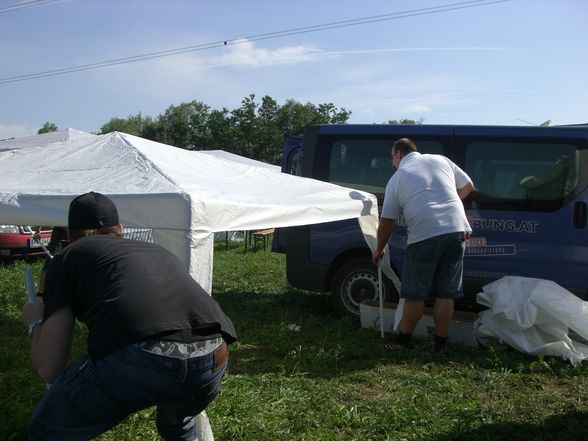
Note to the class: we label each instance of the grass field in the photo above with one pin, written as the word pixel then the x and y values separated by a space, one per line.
pixel 330 380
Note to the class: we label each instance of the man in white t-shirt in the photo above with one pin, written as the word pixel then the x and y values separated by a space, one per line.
pixel 428 191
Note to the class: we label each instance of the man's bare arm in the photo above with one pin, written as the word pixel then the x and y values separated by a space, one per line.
pixel 385 229
pixel 51 341
pixel 465 190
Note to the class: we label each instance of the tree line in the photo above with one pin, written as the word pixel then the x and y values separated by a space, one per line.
pixel 255 129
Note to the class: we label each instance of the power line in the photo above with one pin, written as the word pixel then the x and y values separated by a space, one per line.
pixel 23 5
pixel 258 37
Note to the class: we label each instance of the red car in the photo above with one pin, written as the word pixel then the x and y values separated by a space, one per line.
pixel 17 241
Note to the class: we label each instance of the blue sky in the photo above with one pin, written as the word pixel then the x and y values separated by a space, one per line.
pixel 492 63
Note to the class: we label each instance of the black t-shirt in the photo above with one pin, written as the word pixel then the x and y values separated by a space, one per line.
pixel 127 291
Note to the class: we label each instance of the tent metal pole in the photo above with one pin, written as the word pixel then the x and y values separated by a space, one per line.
pixel 381 296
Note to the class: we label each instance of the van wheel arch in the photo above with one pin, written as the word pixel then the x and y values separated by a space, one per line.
pixel 355 280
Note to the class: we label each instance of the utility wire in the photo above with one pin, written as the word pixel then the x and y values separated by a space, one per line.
pixel 23 5
pixel 258 37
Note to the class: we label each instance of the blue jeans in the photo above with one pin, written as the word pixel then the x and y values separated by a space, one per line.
pixel 91 397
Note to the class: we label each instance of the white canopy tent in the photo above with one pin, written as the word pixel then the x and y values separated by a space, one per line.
pixel 183 196
pixel 43 139
pixel 221 154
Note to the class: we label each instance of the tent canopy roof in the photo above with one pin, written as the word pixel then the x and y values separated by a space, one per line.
pixel 183 196
pixel 43 139
pixel 224 194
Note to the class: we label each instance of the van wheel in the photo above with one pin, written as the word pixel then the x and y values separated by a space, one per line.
pixel 356 281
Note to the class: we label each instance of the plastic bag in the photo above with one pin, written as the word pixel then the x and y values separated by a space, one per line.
pixel 534 316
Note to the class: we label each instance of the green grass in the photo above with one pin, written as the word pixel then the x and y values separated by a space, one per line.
pixel 330 380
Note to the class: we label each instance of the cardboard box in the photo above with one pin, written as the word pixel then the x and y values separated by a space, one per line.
pixel 461 329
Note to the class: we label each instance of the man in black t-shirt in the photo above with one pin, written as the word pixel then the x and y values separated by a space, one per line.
pixel 155 337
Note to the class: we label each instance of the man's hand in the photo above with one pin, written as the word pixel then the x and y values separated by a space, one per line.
pixel 37 234
pixel 465 190
pixel 376 256
pixel 32 311
pixel 385 228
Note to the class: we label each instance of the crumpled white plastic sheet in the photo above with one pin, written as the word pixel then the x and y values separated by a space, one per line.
pixel 534 316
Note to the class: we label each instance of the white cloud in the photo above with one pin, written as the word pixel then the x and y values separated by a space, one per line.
pixel 219 78
pixel 222 77
pixel 248 67
pixel 244 53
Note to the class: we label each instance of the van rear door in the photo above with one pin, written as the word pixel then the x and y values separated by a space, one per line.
pixel 292 155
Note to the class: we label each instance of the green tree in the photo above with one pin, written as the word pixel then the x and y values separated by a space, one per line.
pixel 255 130
pixel 47 127
pixel 329 114
pixel 221 130
pixel 244 127
pixel 185 126
pixel 405 121
pixel 294 117
pixel 269 137
pixel 133 125
pixel 259 129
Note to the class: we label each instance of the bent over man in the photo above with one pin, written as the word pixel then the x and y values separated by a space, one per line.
pixel 155 337
pixel 428 191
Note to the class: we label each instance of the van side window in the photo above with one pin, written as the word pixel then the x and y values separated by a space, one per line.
pixel 532 176
pixel 365 164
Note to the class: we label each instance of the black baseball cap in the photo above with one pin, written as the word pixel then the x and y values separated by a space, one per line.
pixel 92 210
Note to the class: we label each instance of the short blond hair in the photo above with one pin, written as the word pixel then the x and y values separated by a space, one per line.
pixel 76 234
pixel 404 146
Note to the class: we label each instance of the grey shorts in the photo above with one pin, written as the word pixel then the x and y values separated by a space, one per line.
pixel 434 268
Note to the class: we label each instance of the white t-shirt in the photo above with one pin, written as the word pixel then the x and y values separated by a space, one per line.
pixel 424 190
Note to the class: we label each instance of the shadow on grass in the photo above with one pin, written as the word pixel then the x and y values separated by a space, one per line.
pixel 570 427
pixel 296 332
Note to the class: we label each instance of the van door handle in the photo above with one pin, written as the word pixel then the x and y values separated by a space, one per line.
pixel 580 214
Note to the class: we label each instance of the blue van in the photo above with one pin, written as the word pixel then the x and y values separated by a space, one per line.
pixel 528 212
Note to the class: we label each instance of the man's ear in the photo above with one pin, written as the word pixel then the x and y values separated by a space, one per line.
pixel 120 229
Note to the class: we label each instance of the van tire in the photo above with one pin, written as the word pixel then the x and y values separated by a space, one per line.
pixel 357 280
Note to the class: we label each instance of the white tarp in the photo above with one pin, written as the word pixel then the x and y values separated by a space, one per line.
pixel 43 139
pixel 221 154
pixel 534 316
pixel 184 196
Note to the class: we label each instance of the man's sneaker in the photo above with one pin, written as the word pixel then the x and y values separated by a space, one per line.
pixel 440 351
pixel 440 346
